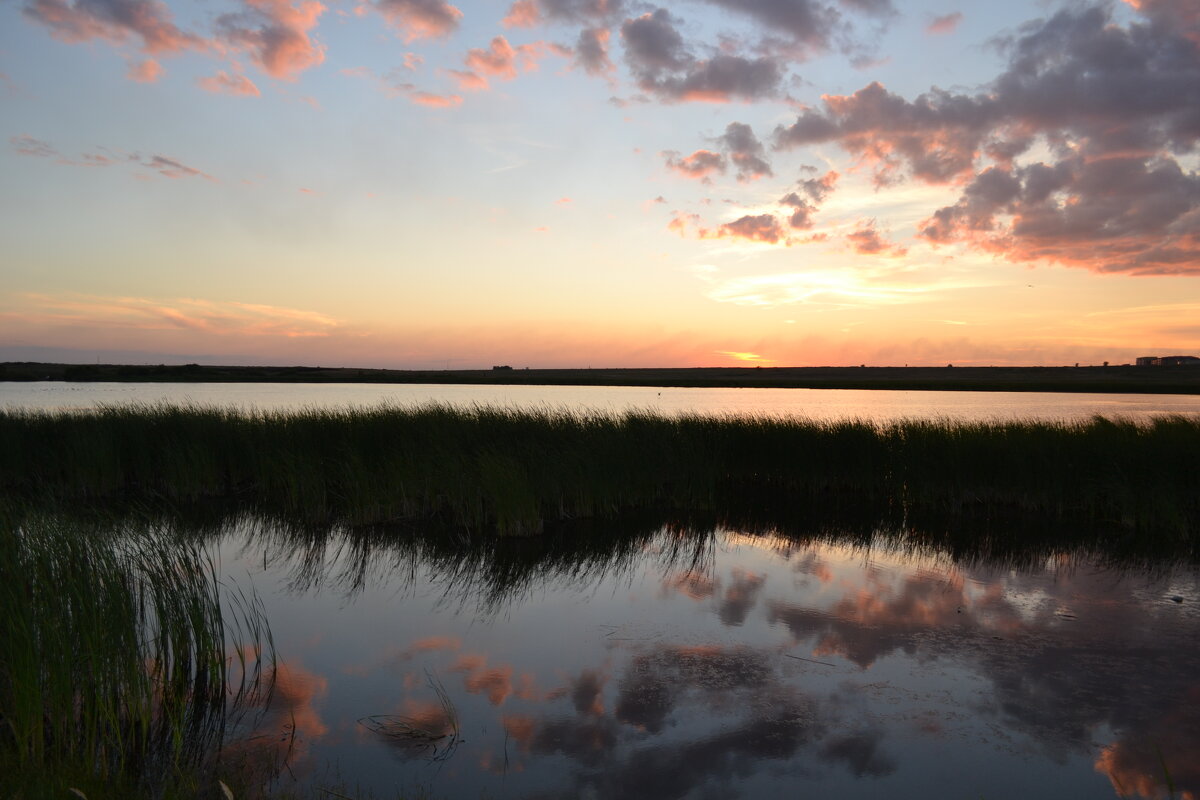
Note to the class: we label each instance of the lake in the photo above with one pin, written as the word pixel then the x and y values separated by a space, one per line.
pixel 633 659
pixel 668 665
pixel 819 404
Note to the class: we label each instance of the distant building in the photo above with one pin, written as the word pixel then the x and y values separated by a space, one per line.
pixel 1168 361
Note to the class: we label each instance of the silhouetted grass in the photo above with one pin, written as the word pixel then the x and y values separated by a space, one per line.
pixel 119 670
pixel 513 471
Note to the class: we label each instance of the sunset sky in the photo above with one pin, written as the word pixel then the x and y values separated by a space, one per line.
pixel 573 183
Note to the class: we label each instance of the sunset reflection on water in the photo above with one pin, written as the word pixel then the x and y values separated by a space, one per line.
pixel 754 665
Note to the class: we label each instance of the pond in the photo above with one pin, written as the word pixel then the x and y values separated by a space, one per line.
pixel 664 664
pixel 876 405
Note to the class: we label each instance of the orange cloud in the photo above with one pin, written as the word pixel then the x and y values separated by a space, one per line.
pixel 700 165
pixel 867 241
pixel 225 83
pixel 431 100
pixel 145 71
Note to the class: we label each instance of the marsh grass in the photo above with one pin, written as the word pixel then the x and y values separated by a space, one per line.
pixel 434 738
pixel 120 671
pixel 513 472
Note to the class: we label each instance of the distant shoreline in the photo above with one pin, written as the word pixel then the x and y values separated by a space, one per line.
pixel 1113 379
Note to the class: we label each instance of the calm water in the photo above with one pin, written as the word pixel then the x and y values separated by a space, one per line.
pixel 725 666
pixel 822 404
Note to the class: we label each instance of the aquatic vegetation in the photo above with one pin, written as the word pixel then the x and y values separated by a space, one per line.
pixel 516 471
pixel 124 663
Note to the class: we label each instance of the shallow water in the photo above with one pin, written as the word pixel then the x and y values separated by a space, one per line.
pixel 728 665
pixel 820 404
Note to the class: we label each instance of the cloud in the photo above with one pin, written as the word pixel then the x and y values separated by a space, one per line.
pixel 145 71
pixel 114 21
pixel 745 151
pixel 947 23
pixel 432 100
pixel 765 228
pixel 467 81
pixel 276 35
pixel 522 14
pixel 752 227
pixel 167 167
pixel 662 66
pixel 700 165
pixel 806 202
pixel 28 146
pixel 529 13
pixel 591 51
pixel 867 241
pixel 225 319
pixel 808 26
pixel 225 83
pixel 500 60
pixel 1071 155
pixel 170 168
pixel 420 19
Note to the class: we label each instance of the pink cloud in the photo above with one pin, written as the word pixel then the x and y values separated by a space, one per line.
pixel 28 146
pixel 765 228
pixel 420 19
pixel 225 83
pixel 145 71
pixel 498 61
pixel 114 21
pixel 522 14
pixel 563 201
pixel 431 100
pixel 467 81
pixel 947 23
pixel 276 35
pixel 700 165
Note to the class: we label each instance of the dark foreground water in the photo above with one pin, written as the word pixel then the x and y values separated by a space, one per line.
pixel 722 665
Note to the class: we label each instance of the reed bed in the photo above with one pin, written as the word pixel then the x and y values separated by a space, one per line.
pixel 120 672
pixel 513 471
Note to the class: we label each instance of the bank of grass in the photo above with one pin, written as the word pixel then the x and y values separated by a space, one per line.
pixel 120 674
pixel 513 471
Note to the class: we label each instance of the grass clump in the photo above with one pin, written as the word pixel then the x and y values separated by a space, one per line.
pixel 514 471
pixel 119 672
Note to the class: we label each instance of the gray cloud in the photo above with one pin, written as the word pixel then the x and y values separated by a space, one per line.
pixel 745 151
pixel 1116 106
pixel 114 21
pixel 591 51
pixel 663 66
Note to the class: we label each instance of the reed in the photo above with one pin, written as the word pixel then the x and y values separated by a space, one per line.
pixel 514 471
pixel 120 669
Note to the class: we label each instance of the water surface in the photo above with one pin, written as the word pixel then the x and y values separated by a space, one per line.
pixel 666 665
pixel 877 405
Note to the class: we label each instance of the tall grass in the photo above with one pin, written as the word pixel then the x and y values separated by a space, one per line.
pixel 513 471
pixel 119 670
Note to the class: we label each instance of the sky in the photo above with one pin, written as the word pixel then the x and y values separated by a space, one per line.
pixel 599 183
